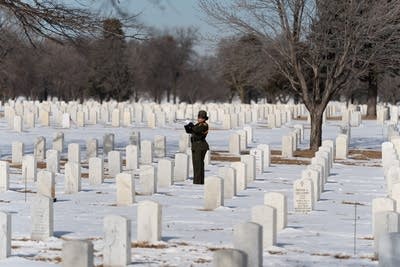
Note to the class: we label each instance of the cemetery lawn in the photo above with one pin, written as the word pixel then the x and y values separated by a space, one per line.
pixel 325 237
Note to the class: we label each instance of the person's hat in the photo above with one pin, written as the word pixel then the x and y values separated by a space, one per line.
pixel 202 114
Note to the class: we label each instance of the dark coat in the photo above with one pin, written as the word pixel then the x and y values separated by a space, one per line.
pixel 199 133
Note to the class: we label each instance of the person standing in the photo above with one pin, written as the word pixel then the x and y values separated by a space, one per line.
pixel 200 146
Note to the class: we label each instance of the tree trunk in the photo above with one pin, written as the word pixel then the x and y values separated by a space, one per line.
pixel 372 94
pixel 316 128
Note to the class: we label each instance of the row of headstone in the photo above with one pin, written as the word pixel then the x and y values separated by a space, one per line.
pixel 291 141
pixel 385 210
pixel 117 233
pixel 239 141
pixel 66 115
pixel 307 190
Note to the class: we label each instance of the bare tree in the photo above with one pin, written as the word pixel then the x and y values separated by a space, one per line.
pixel 320 45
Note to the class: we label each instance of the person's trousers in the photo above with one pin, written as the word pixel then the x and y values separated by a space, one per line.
pixel 198 166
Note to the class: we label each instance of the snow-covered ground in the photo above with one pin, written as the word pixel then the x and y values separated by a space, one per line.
pixel 190 235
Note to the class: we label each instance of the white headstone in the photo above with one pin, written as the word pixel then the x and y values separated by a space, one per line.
pixel 74 153
pixel 184 142
pixel 266 217
pixel 58 142
pixel 77 253
pixel 146 149
pixel 53 161
pixel 5 235
pixel 108 143
pixel 4 176
pixel 259 157
pixel 114 163
pixel 115 118
pixel 250 162
pixel 17 152
pixel 287 146
pixel 385 222
pixel 164 173
pixel 181 167
pixel 39 149
pixel 41 218
pixel 66 121
pixel 72 178
pixel 132 157
pixel 313 175
pixel 229 258
pixel 148 179
pixel 247 237
pixel 160 145
pixel 134 139
pixel 389 250
pixel 234 144
pixel 213 192
pixel 303 196
pixel 29 168
pixel 96 171
pixel 382 204
pixel 125 189
pixel 228 174
pixel 92 148
pixel 266 155
pixel 249 134
pixel 18 124
pixel 117 241
pixel 241 181
pixel 279 202
pixel 149 222
pixel 341 146
pixel 46 184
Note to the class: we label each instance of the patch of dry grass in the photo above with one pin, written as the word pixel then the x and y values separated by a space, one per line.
pixel 143 244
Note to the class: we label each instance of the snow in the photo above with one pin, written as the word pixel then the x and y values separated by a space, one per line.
pixel 190 234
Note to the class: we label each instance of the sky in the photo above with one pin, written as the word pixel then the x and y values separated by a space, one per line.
pixel 164 14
